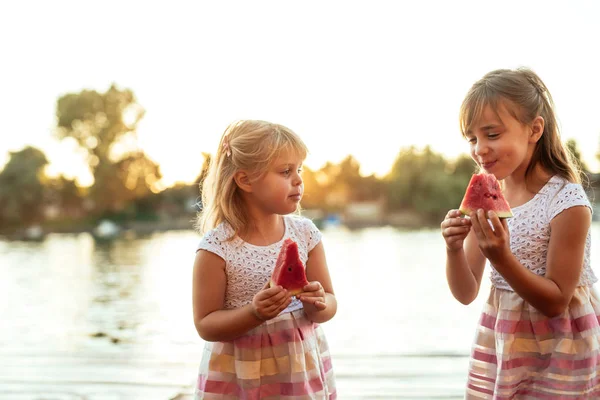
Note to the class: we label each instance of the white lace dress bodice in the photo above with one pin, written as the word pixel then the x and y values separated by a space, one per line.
pixel 249 267
pixel 530 229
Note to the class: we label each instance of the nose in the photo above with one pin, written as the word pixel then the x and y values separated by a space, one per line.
pixel 480 148
pixel 297 179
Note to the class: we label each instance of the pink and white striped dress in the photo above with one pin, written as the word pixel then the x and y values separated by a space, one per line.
pixel 519 353
pixel 286 357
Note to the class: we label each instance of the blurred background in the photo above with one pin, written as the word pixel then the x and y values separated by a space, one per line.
pixel 110 113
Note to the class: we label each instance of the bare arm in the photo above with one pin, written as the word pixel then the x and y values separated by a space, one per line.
pixel 208 296
pixel 464 261
pixel 549 294
pixel 319 300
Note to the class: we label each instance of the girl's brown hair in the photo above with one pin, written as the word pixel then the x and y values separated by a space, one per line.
pixel 525 97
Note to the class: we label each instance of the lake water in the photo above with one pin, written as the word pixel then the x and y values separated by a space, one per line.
pixel 83 319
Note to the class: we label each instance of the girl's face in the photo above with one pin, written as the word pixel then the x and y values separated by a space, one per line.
pixel 500 144
pixel 280 190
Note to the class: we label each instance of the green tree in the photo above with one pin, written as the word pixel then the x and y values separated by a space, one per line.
pixel 105 126
pixel 427 183
pixel 314 193
pixel 65 195
pixel 575 155
pixel 204 170
pixel 22 187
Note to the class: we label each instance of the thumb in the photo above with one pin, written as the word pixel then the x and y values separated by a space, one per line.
pixel 267 285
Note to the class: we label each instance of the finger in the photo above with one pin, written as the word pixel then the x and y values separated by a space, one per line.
pixel 477 226
pixel 275 299
pixel 504 222
pixel 498 228
pixel 269 292
pixel 278 307
pixel 453 214
pixel 320 305
pixel 452 219
pixel 313 299
pixel 457 231
pixel 313 287
pixel 486 228
pixel 284 305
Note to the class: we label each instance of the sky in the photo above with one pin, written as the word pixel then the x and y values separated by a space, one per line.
pixel 365 78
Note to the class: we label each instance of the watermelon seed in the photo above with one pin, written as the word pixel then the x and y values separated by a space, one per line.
pixel 290 269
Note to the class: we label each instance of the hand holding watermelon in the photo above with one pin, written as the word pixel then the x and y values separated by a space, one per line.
pixel 270 301
pixel 455 229
pixel 494 241
pixel 314 294
pixel 290 274
pixel 483 194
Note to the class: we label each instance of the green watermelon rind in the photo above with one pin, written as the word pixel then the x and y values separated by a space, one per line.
pixel 501 214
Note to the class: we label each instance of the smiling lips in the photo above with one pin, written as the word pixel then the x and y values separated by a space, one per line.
pixel 488 165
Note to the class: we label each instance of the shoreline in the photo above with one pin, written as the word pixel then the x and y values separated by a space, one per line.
pixel 135 228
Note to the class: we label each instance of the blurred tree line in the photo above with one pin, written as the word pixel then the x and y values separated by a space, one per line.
pixel 126 181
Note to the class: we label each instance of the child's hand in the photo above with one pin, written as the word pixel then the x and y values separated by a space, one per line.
pixel 314 294
pixel 455 229
pixel 494 243
pixel 270 301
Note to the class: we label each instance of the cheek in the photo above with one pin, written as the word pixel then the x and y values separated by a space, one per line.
pixel 472 153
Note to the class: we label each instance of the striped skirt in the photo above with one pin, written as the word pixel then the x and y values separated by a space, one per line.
pixel 521 354
pixel 286 357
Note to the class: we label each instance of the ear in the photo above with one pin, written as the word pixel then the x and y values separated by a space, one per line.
pixel 537 129
pixel 242 180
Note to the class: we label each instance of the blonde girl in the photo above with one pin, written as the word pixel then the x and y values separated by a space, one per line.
pixel 261 343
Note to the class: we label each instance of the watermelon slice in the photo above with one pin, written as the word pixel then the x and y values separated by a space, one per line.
pixel 484 192
pixel 289 271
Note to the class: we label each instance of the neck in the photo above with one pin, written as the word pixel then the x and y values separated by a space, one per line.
pixel 263 228
pixel 533 182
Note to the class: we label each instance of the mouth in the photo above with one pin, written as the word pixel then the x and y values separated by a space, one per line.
pixel 296 197
pixel 488 165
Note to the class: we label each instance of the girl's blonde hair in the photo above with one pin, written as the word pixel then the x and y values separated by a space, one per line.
pixel 248 145
pixel 525 97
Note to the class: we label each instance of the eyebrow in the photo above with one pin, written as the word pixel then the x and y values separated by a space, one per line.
pixel 288 164
pixel 490 126
pixel 485 128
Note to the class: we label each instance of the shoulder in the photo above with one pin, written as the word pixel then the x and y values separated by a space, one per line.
pixel 300 222
pixel 565 195
pixel 216 240
pixel 305 229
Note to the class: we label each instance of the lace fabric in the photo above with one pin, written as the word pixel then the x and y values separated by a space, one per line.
pixel 530 229
pixel 249 267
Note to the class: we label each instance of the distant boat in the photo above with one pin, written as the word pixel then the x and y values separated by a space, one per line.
pixel 332 221
pixel 106 229
pixel 33 233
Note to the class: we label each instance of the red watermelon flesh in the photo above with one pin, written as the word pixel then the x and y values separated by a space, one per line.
pixel 484 192
pixel 289 271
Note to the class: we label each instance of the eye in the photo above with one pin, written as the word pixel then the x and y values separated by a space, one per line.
pixel 472 140
pixel 299 170
pixel 492 135
pixel 286 172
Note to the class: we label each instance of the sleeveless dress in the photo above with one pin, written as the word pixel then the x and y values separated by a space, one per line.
pixel 518 352
pixel 286 357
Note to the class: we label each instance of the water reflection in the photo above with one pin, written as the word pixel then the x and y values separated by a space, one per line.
pixel 73 293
